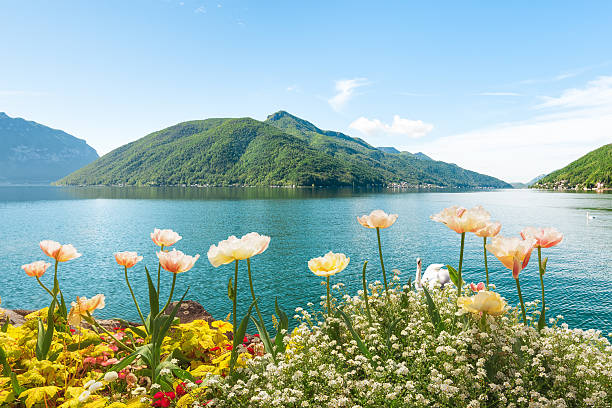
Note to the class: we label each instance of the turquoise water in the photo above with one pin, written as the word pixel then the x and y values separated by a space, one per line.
pixel 303 223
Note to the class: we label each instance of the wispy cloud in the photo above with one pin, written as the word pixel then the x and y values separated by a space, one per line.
pixel 293 88
pixel 596 93
pixel 415 94
pixel 200 10
pixel 498 94
pixel 345 89
pixel 375 128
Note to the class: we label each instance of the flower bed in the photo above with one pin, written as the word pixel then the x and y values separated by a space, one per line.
pixel 436 341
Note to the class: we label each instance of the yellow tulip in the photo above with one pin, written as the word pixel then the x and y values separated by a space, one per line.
pixel 377 219
pixel 462 220
pixel 328 265
pixel 484 301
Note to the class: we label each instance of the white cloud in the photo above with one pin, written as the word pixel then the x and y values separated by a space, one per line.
pixel 293 88
pixel 200 10
pixel 498 94
pixel 596 93
pixel 376 129
pixel 345 90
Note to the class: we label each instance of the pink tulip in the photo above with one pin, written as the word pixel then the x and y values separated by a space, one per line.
pixel 83 306
pixel 514 253
pixel 36 269
pixel 165 237
pixel 59 252
pixel 491 229
pixel 176 261
pixel 463 220
pixel 477 288
pixel 545 237
pixel 127 259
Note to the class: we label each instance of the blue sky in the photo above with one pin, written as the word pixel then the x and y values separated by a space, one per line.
pixel 511 89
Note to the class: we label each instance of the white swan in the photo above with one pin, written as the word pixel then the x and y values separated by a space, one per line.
pixel 590 217
pixel 433 274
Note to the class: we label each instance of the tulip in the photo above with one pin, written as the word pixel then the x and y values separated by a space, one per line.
pixel 163 238
pixel 175 262
pixel 83 306
pixel 462 220
pixel 491 229
pixel 128 259
pixel 61 253
pixel 327 266
pixel 379 219
pixel 484 301
pixel 545 238
pixel 37 269
pixel 514 254
pixel 235 249
pixel 477 288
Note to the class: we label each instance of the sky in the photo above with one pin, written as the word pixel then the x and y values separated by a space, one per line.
pixel 510 89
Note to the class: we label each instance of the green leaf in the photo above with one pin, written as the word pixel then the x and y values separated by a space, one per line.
pixel 230 290
pixel 5 325
pixel 63 310
pixel 433 312
pixel 360 343
pixel 282 316
pixel 153 295
pixel 167 323
pixel 39 340
pixel 83 344
pixel 125 362
pixel 6 369
pixel 390 332
pixel 183 374
pixel 265 337
pixel 17 388
pixel 544 265
pixel 454 275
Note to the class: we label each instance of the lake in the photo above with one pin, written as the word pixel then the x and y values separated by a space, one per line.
pixel 303 223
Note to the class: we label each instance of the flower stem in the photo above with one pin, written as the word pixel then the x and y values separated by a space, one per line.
pixel 134 298
pixel 382 264
pixel 171 293
pixel 44 287
pixel 328 302
pixel 365 291
pixel 235 299
pixel 542 320
pixel 253 294
pixel 459 289
pixel 484 248
pixel 159 273
pixel 92 321
pixel 55 281
pixel 520 295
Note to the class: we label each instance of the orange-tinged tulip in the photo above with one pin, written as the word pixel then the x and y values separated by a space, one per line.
pixel 127 259
pixel 59 252
pixel 545 237
pixel 36 269
pixel 491 229
pixel 83 306
pixel 477 288
pixel 513 252
pixel 176 261
pixel 462 220
pixel 484 301
pixel 165 237
pixel 234 249
pixel 328 265
pixel 377 219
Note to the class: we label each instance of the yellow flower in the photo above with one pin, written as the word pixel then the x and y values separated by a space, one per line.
pixel 513 252
pixel 491 229
pixel 377 219
pixel 483 302
pixel 59 252
pixel 463 220
pixel 328 265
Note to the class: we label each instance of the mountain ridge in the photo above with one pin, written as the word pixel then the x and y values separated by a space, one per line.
pixel 33 153
pixel 282 150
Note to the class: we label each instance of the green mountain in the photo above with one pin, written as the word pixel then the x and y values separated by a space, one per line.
pixel 34 153
pixel 282 150
pixel 589 170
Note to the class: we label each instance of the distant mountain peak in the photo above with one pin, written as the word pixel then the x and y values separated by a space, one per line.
pixel 388 149
pixel 3 115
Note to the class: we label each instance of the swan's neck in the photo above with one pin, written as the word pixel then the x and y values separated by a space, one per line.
pixel 418 274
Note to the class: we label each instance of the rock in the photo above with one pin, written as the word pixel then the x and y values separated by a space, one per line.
pixel 189 311
pixel 15 317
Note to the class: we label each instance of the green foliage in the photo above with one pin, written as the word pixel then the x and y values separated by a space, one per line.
pixel 283 150
pixel 592 168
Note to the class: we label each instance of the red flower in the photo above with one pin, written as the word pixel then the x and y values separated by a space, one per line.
pixel 246 339
pixel 215 348
pixel 180 389
pixel 229 347
pixel 256 335
pixel 199 382
pixel 171 395
pixel 158 395
pixel 250 350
